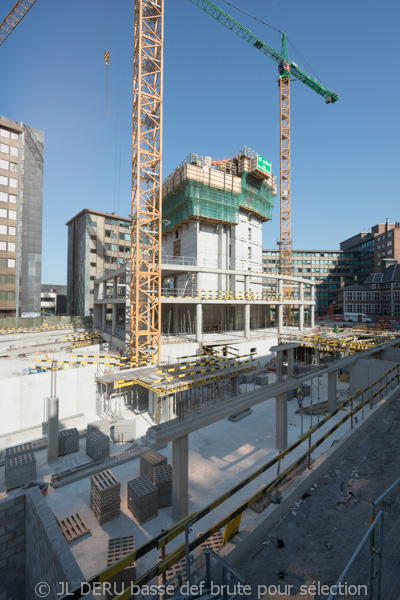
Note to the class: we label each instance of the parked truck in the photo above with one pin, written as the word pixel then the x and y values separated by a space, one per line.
pixel 357 317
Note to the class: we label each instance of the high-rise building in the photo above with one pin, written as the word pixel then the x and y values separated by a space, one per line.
pixel 96 241
pixel 21 196
pixel 378 248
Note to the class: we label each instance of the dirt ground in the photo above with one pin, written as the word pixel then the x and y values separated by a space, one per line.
pixel 322 531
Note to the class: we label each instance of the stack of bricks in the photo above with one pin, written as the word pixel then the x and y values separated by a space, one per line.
pixel 101 425
pixel 142 499
pixel 20 470
pixel 105 496
pixel 149 460
pixel 97 444
pixel 125 430
pixel 162 479
pixel 17 450
pixel 68 441
pixel 214 542
pixel 118 548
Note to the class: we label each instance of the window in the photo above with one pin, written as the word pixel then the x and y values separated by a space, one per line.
pixel 92 264
pixel 3 180
pixel 93 223
pixel 13 151
pixel 3 246
pixel 3 229
pixel 12 231
pixel 249 234
pixel 12 199
pixel 3 262
pixel 4 132
pixel 13 167
pixel 249 253
pixel 11 246
pixel 10 278
pixel 12 214
pixel 10 295
pixel 13 183
pixel 3 164
pixel 3 213
pixel 11 263
pixel 14 136
pixel 5 148
pixel 3 197
pixel 2 278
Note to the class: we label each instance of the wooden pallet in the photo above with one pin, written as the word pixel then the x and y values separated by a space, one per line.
pixel 73 528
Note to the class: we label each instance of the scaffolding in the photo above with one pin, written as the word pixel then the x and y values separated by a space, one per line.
pixel 215 190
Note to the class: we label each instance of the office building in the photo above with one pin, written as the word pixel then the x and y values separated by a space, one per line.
pixel 329 269
pixel 21 195
pixel 96 241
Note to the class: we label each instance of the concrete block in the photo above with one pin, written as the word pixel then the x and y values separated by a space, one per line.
pixel 162 479
pixel 17 450
pixel 97 444
pixel 248 378
pixel 18 471
pixel 262 380
pixel 101 425
pixel 149 460
pixel 125 430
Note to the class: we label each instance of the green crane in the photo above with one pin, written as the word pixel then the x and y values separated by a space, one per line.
pixel 287 69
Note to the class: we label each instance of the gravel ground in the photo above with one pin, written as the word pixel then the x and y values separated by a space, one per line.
pixel 322 531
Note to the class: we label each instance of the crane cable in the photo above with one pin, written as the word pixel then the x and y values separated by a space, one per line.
pixel 279 31
pixel 107 45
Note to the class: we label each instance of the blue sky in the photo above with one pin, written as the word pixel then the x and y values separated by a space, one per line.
pixel 220 94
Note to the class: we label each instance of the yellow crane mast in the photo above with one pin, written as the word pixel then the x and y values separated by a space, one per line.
pixel 145 296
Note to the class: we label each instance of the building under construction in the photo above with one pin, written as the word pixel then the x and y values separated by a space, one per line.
pixel 212 276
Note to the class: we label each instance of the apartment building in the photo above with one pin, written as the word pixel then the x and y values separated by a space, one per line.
pixel 329 270
pixel 21 196
pixel 96 241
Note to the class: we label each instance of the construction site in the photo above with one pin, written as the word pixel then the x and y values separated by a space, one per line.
pixel 189 430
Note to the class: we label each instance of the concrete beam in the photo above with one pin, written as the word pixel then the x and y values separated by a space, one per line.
pixel 180 478
pixel 281 422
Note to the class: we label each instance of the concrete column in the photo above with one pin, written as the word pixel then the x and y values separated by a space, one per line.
pixel 103 317
pixel 312 308
pixel 199 322
pixel 290 355
pixel 279 366
pixel 180 478
pixel 247 321
pixel 235 387
pixel 97 312
pixel 332 381
pixel 114 318
pixel 280 306
pixel 312 316
pixel 52 429
pixel 301 307
pixel 281 422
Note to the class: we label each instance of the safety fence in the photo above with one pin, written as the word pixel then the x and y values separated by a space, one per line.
pixel 373 571
pixel 357 402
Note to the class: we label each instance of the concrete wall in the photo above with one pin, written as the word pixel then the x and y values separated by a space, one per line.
pixel 391 354
pixel 31 263
pixel 48 557
pixel 367 370
pixel 11 322
pixel 32 549
pixel 22 399
pixel 12 548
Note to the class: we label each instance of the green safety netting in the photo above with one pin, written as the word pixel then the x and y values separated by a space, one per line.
pixel 195 199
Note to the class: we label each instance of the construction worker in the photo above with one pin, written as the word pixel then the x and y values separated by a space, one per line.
pixel 300 397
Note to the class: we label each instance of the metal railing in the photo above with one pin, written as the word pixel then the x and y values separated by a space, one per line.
pixel 372 572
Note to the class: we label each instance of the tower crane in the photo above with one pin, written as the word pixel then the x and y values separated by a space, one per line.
pixel 287 69
pixel 14 17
